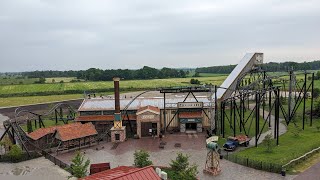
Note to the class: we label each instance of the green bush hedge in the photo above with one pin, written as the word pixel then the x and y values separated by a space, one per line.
pixel 24 157
pixel 260 165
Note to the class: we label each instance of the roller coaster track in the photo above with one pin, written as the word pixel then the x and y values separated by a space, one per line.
pixel 17 133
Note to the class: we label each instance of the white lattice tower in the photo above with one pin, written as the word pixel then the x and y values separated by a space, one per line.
pixel 212 166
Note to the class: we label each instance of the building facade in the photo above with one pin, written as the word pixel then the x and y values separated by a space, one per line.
pixel 149 116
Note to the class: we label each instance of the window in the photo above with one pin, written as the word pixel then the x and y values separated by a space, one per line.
pixel 90 113
pixel 111 112
pixel 117 136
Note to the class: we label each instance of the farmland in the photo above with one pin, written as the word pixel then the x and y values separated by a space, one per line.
pixel 80 87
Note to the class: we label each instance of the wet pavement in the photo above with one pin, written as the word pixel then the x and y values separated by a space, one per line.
pixel 192 144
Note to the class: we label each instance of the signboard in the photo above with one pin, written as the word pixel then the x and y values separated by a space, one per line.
pixel 196 120
pixel 190 105
pixel 147 117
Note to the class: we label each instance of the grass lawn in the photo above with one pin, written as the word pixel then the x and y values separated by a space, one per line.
pixel 312 160
pixel 47 123
pixel 249 128
pixel 18 101
pixel 290 147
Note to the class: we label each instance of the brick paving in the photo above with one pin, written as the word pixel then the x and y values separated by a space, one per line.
pixel 191 144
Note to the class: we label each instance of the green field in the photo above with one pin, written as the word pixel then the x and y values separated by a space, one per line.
pixel 6 80
pixel 47 123
pixel 18 101
pixel 80 87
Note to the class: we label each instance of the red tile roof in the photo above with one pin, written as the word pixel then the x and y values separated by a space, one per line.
pixel 196 114
pixel 39 133
pixel 125 173
pixel 151 108
pixel 75 131
pixel 104 118
pixel 66 132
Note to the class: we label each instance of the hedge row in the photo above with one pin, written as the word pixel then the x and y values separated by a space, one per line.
pixel 23 157
pixel 260 165
pixel 48 93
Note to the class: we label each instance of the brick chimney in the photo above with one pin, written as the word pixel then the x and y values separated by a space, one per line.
pixel 118 132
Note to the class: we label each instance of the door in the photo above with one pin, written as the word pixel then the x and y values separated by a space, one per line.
pixel 191 126
pixel 145 129
pixel 154 129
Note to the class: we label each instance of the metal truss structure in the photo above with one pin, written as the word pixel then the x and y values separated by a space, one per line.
pixel 256 91
pixel 16 134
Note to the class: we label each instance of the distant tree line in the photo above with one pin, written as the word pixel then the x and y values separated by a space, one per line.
pixel 94 74
pixel 271 67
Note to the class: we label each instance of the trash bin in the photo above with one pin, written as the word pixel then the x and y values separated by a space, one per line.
pixel 283 172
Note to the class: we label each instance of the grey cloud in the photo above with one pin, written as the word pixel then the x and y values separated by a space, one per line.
pixel 78 34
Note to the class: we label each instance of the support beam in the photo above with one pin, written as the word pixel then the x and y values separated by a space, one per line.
pixel 164 113
pixel 312 91
pixel 304 99
pixel 277 115
pixel 257 118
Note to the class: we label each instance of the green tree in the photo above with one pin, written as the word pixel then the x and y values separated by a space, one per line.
pixel 269 143
pixel 53 81
pixel 194 81
pixel 182 169
pixel 141 158
pixel 29 126
pixel 15 152
pixel 79 166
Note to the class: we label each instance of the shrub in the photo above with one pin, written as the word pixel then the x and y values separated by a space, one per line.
pixel 269 143
pixel 79 166
pixel 15 152
pixel 41 80
pixel 194 81
pixel 296 131
pixel 141 158
pixel 181 168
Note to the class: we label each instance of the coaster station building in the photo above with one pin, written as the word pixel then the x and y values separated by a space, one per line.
pixel 147 115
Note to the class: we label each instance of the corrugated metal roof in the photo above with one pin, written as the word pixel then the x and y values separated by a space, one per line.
pixel 104 118
pixel 99 104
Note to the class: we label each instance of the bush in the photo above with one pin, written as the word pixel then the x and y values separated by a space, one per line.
pixel 194 81
pixel 79 166
pixel 269 143
pixel 181 170
pixel 41 80
pixel 141 158
pixel 15 152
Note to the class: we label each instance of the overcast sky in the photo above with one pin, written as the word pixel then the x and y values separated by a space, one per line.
pixel 107 34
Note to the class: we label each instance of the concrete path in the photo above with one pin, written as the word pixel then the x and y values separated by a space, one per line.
pixel 313 173
pixel 2 119
pixel 35 169
pixel 282 128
